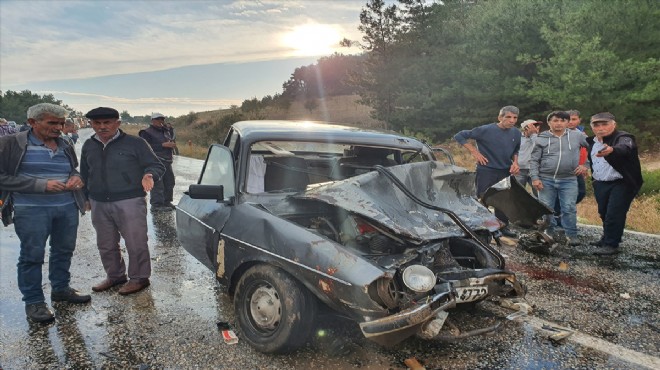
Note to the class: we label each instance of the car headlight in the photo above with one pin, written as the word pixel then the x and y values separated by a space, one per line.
pixel 418 278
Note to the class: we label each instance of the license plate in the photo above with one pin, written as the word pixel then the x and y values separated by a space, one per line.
pixel 470 294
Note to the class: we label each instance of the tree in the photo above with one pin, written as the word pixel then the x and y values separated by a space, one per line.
pixel 125 116
pixel 14 105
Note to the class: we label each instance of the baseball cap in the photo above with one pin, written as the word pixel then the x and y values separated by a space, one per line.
pixel 157 115
pixel 529 122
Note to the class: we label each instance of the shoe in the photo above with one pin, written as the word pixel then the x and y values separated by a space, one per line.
pixel 70 295
pixel 573 241
pixel 39 312
pixel 134 286
pixel 107 284
pixel 161 208
pixel 508 233
pixel 606 251
pixel 596 243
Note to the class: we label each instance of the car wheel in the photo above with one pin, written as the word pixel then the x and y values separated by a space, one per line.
pixel 275 312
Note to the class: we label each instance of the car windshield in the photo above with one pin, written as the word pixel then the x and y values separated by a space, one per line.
pixel 292 165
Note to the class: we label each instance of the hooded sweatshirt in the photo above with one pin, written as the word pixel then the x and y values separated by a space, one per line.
pixel 556 157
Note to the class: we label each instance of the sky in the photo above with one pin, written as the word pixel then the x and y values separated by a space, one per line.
pixel 172 57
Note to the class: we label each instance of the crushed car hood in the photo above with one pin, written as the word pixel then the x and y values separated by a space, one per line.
pixel 375 197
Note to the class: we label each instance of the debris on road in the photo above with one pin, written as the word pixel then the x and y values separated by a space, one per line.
pixel 413 364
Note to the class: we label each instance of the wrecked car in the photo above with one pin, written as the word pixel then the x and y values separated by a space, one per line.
pixel 292 215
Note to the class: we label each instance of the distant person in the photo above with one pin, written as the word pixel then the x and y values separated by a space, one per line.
pixel 530 129
pixel 70 130
pixel 554 165
pixel 25 127
pixel 161 141
pixel 617 178
pixel 65 135
pixel 170 128
pixel 5 128
pixel 39 182
pixel 497 154
pixel 119 170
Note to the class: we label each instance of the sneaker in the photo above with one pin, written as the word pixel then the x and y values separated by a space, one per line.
pixel 606 250
pixel 70 295
pixel 573 241
pixel 508 233
pixel 39 312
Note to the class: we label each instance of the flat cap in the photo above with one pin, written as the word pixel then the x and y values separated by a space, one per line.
pixel 602 117
pixel 102 112
pixel 157 115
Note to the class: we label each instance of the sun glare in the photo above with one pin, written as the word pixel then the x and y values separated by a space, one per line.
pixel 312 39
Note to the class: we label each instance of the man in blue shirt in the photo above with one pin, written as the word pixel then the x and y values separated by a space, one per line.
pixel 496 153
pixel 40 184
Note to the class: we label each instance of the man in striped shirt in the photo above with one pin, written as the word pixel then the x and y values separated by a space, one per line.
pixel 39 182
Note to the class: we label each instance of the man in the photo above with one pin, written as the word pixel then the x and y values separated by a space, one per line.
pixel 119 169
pixel 553 167
pixel 70 130
pixel 617 178
pixel 158 136
pixel 39 182
pixel 497 153
pixel 530 129
pixel 5 129
pixel 574 124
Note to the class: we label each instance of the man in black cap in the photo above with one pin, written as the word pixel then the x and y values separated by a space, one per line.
pixel 118 170
pixel 617 178
pixel 161 141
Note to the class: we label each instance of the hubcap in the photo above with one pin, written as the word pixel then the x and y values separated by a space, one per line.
pixel 265 307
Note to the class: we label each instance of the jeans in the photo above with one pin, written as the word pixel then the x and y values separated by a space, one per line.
pixel 614 199
pixel 487 177
pixel 582 192
pixel 524 179
pixel 566 191
pixel 163 190
pixel 34 225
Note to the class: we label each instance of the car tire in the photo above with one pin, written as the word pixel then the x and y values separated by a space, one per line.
pixel 276 313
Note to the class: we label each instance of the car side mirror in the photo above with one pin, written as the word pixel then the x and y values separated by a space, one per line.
pixel 216 192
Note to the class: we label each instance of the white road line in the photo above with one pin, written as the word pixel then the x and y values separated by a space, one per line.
pixel 625 354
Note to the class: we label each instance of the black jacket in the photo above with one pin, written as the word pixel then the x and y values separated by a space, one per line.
pixel 115 173
pixel 12 150
pixel 156 136
pixel 624 158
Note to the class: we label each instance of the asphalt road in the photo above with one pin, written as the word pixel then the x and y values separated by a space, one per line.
pixel 611 305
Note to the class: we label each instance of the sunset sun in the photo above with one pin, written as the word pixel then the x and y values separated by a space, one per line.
pixel 312 39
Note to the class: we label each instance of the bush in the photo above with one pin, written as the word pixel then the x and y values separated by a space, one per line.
pixel 651 182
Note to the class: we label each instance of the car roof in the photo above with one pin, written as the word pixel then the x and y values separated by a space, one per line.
pixel 253 131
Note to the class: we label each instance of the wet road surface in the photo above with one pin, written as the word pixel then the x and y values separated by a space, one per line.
pixel 611 303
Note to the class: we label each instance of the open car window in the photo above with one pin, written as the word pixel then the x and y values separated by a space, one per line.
pixel 219 170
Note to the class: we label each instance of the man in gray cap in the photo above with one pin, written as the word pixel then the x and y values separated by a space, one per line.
pixel 162 143
pixel 119 170
pixel 617 178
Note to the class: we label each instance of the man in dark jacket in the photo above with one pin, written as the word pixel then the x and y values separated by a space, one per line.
pixel 162 143
pixel 42 195
pixel 118 170
pixel 617 178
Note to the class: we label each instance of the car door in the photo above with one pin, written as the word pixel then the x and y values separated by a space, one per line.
pixel 206 206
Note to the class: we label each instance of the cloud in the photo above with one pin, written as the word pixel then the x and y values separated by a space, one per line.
pixel 54 40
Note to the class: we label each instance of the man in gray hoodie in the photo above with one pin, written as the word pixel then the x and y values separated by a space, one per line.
pixel 553 167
